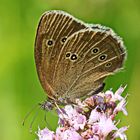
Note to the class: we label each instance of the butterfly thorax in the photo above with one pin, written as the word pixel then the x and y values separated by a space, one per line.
pixel 47 105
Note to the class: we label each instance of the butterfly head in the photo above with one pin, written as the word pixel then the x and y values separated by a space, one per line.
pixel 47 105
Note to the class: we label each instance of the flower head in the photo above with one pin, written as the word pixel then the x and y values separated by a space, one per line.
pixel 91 119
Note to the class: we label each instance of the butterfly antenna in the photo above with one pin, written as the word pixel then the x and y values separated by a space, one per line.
pixel 27 115
pixel 45 118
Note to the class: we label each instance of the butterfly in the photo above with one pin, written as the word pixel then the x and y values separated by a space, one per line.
pixel 74 58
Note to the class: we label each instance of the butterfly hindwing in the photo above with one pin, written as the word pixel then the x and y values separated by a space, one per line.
pixel 93 55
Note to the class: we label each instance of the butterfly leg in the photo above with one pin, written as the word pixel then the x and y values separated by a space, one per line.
pixel 59 109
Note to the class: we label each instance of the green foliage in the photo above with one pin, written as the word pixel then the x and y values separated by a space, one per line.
pixel 19 85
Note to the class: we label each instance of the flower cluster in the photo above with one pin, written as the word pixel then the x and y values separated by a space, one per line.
pixel 92 119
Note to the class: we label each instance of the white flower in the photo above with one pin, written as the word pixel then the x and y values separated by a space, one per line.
pixel 105 125
pixel 119 92
pixel 69 134
pixel 70 111
pixel 115 96
pixel 120 133
pixel 45 134
pixel 79 122
pixel 121 107
pixel 94 116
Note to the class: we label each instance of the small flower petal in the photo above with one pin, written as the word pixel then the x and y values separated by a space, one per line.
pixel 46 134
pixel 69 134
pixel 79 122
pixel 94 116
pixel 121 107
pixel 105 125
pixel 120 133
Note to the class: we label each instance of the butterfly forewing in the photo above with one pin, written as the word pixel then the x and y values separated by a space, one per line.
pixel 54 29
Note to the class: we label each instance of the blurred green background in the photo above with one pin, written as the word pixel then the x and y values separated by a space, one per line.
pixel 20 89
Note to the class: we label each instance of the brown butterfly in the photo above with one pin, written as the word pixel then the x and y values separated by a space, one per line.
pixel 73 58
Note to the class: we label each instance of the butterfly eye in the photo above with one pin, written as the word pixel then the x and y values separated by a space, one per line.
pixel 95 50
pixel 73 57
pixel 63 39
pixel 108 64
pixel 68 54
pixel 102 57
pixel 49 43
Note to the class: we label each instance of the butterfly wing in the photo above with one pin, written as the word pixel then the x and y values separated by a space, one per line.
pixel 89 56
pixel 54 29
